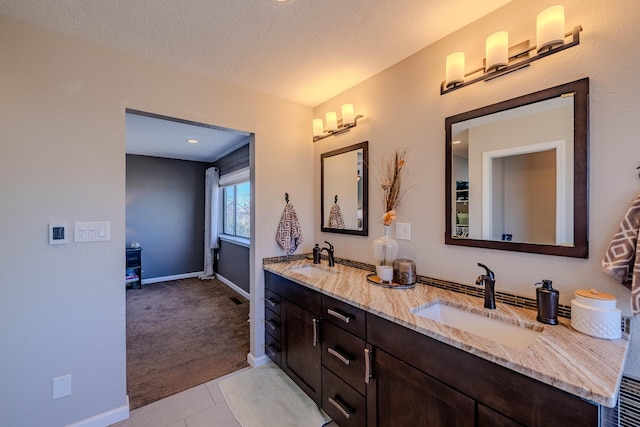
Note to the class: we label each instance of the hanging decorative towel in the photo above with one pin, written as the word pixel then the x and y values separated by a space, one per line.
pixel 336 220
pixel 622 259
pixel 289 234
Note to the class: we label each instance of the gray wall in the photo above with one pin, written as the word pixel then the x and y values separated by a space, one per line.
pixel 165 213
pixel 233 259
pixel 233 264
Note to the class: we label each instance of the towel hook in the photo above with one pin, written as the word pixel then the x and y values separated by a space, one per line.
pixel 638 168
pixel 335 200
pixel 286 197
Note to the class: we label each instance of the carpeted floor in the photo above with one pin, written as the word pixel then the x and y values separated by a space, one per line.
pixel 183 333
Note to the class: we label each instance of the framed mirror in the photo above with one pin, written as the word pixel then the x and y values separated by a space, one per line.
pixel 516 174
pixel 344 190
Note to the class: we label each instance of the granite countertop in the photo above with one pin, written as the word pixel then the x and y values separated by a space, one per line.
pixel 588 367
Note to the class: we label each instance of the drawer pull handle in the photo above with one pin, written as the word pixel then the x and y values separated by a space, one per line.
pixel 271 302
pixel 339 355
pixel 341 407
pixel 367 365
pixel 270 350
pixel 316 323
pixel 271 324
pixel 343 317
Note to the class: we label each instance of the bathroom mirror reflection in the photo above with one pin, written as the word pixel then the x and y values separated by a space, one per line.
pixel 344 190
pixel 516 174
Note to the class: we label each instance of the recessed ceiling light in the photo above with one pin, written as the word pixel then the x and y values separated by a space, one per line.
pixel 282 1
pixel 192 141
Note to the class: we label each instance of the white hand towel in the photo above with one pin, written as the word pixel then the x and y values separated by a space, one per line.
pixel 622 259
pixel 289 234
pixel 336 220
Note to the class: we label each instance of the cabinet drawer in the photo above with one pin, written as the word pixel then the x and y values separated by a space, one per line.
pixel 343 354
pixel 272 349
pixel 304 297
pixel 272 323
pixel 272 301
pixel 133 256
pixel 344 405
pixel 345 316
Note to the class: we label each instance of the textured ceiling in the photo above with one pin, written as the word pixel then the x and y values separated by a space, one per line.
pixel 305 51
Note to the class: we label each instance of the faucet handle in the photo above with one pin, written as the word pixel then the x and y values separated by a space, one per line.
pixel 330 245
pixel 490 273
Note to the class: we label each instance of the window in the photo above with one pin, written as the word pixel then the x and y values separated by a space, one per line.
pixel 236 205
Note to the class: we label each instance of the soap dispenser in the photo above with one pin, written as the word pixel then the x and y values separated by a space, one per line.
pixel 547 303
pixel 316 254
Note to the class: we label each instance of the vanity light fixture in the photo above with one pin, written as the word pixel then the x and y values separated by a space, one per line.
pixel 335 126
pixel 501 59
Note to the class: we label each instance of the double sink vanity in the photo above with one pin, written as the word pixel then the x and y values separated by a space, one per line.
pixel 374 356
pixel 430 356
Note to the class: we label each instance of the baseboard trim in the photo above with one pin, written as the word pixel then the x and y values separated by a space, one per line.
pixel 233 286
pixel 174 277
pixel 106 418
pixel 259 361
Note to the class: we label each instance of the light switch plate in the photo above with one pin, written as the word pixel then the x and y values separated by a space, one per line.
pixel 403 231
pixel 93 231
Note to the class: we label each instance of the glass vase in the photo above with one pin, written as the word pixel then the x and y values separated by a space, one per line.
pixel 385 248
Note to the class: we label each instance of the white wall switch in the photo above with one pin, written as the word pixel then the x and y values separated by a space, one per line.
pixel 403 231
pixel 94 231
pixel 61 387
pixel 58 234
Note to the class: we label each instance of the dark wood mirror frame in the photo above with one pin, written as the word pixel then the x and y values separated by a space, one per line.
pixel 580 248
pixel 364 146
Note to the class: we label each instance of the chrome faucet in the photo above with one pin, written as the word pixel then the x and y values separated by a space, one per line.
pixel 329 253
pixel 489 282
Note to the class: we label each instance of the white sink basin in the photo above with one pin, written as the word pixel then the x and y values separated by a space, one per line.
pixel 503 331
pixel 313 272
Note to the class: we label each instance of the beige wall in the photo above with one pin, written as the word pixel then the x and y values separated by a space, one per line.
pixel 62 159
pixel 403 107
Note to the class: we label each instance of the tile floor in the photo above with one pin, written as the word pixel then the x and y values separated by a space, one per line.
pixel 200 406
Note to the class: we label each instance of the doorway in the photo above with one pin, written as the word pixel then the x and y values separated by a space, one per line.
pixel 165 216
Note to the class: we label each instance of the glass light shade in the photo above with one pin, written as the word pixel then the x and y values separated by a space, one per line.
pixel 318 127
pixel 332 121
pixel 497 50
pixel 550 28
pixel 347 114
pixel 455 69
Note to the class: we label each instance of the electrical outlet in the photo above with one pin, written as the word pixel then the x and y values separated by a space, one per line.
pixel 403 231
pixel 61 387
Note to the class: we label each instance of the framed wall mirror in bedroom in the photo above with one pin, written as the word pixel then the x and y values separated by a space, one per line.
pixel 516 174
pixel 344 190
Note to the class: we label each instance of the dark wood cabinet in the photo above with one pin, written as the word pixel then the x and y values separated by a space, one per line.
pixel 366 370
pixel 487 417
pixel 515 396
pixel 292 332
pixel 301 348
pixel 400 395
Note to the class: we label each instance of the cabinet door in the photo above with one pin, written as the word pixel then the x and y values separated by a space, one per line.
pixel 400 395
pixel 301 349
pixel 487 417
